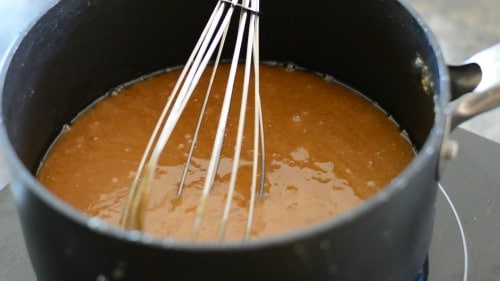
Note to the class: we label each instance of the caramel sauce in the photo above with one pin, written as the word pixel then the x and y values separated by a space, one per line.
pixel 328 149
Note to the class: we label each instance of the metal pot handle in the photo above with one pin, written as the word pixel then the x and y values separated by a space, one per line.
pixel 474 90
pixel 474 104
pixel 485 96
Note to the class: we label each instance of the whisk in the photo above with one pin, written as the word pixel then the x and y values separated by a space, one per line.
pixel 213 37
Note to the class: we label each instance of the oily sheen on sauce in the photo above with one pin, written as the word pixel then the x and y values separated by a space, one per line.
pixel 328 149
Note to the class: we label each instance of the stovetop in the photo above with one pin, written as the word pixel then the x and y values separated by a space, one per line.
pixel 472 181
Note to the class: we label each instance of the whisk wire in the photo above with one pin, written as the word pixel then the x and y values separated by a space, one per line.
pixel 258 129
pixel 139 188
pixel 241 123
pixel 221 128
pixel 125 219
pixel 243 6
pixel 213 35
pixel 200 116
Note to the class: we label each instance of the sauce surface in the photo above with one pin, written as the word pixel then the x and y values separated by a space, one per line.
pixel 327 150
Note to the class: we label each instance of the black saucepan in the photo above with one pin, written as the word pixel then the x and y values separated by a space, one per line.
pixel 79 50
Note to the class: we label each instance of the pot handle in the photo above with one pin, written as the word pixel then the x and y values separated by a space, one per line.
pixel 475 89
pixel 464 78
pixel 483 70
pixel 474 104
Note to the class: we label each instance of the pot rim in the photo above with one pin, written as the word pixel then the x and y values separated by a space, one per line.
pixel 430 148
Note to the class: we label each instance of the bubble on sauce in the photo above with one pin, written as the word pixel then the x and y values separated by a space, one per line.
pixel 66 128
pixel 114 180
pixel 296 118
pixel 290 67
pixel 330 78
pixel 116 91
pixel 180 146
pixel 370 184
pixel 131 174
pixel 325 166
pixel 322 178
pixel 300 154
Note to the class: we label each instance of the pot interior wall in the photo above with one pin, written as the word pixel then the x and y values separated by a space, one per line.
pixel 81 49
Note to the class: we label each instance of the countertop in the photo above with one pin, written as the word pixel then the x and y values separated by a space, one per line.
pixel 462 28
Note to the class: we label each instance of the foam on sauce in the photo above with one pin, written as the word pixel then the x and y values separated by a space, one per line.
pixel 328 149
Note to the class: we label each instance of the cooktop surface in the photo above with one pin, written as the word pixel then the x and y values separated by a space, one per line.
pixel 472 181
